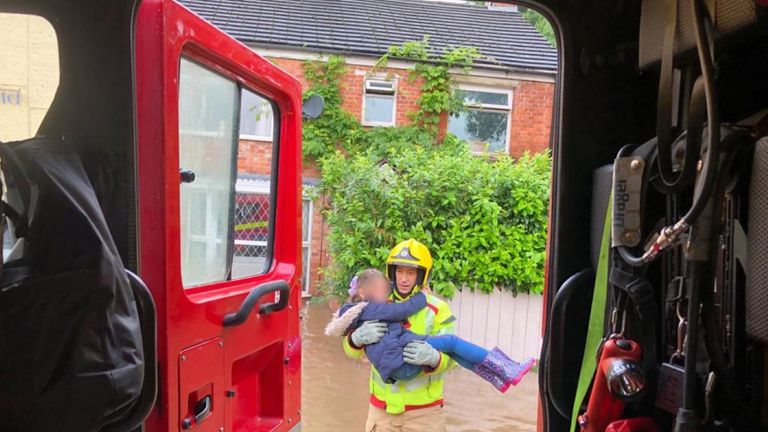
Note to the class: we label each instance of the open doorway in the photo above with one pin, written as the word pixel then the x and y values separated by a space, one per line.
pixel 445 105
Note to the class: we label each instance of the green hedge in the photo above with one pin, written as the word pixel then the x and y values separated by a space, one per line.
pixel 484 220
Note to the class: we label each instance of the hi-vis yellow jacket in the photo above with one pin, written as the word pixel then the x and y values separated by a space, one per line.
pixel 426 390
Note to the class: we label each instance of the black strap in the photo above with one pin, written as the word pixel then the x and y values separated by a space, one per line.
pixel 669 181
pixel 665 97
pixel 640 292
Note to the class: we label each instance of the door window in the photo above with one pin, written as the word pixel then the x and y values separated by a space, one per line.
pixel 224 234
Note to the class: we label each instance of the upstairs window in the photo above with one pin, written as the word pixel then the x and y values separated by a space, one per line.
pixel 379 103
pixel 485 122
pixel 256 118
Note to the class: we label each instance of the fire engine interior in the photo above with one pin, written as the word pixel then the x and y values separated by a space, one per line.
pixel 657 291
pixel 77 330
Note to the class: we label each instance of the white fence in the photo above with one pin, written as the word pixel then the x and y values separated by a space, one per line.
pixel 513 323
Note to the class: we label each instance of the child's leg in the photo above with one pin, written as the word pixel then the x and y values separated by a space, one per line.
pixel 465 353
pixel 512 371
pixel 493 366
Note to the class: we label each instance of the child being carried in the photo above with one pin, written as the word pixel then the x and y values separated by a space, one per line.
pixel 369 301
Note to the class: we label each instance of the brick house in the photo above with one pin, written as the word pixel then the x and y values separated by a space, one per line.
pixel 509 94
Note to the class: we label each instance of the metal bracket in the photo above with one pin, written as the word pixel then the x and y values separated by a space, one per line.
pixel 627 195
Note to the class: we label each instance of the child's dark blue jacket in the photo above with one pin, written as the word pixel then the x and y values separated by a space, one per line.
pixel 387 355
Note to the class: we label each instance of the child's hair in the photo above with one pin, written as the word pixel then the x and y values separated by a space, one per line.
pixel 359 281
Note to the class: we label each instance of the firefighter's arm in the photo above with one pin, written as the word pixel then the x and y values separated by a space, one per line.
pixel 445 323
pixel 350 349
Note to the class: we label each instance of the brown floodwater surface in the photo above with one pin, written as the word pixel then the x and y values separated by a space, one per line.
pixel 335 390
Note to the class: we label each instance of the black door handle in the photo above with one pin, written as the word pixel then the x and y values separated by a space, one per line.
pixel 202 409
pixel 200 412
pixel 242 314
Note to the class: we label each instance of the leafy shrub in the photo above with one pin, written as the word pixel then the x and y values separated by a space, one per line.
pixel 484 221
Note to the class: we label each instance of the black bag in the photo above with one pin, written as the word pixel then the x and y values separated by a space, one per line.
pixel 70 340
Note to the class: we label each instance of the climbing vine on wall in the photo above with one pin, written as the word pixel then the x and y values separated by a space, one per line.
pixel 334 128
pixel 434 70
pixel 337 129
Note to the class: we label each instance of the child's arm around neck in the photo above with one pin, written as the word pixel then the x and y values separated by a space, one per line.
pixel 351 315
pixel 394 312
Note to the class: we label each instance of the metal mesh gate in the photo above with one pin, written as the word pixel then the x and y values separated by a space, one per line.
pixel 251 234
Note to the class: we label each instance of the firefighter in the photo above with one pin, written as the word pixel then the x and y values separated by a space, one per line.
pixel 417 404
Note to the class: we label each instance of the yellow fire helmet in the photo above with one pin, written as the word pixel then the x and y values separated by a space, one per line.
pixel 410 253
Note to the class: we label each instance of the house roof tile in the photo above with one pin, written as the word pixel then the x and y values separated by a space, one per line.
pixel 365 27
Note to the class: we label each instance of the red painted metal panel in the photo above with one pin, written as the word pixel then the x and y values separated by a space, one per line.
pixel 201 378
pixel 164 32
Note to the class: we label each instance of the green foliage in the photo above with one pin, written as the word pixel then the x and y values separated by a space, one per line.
pixel 542 25
pixel 437 87
pixel 337 129
pixel 412 50
pixel 333 129
pixel 484 221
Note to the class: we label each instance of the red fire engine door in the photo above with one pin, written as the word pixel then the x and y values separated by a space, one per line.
pixel 219 164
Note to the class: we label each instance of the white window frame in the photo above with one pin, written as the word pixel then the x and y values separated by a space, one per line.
pixel 256 138
pixel 492 108
pixel 265 138
pixel 494 5
pixel 263 188
pixel 394 102
pixel 307 244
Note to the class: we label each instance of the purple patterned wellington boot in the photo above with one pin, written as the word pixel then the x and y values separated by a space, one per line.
pixel 492 377
pixel 509 370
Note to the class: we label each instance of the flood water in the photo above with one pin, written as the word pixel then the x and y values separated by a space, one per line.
pixel 335 390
